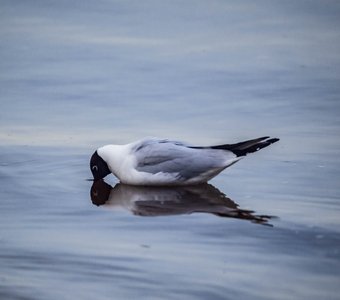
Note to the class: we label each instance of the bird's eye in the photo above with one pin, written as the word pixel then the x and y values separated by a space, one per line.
pixel 95 168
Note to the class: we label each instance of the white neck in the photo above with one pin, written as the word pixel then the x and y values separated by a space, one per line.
pixel 114 156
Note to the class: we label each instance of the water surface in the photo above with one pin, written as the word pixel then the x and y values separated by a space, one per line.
pixel 75 76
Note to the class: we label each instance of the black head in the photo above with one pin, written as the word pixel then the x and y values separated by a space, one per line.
pixel 99 167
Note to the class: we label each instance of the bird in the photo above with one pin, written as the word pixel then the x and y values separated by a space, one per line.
pixel 164 162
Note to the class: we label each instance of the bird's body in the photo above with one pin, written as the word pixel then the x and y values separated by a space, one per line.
pixel 153 161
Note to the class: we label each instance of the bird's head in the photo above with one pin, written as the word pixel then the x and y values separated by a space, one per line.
pixel 99 167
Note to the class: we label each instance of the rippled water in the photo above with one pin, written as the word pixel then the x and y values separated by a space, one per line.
pixel 79 75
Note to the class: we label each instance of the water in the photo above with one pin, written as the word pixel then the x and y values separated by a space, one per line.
pixel 75 76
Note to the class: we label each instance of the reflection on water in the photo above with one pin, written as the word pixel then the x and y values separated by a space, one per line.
pixel 164 201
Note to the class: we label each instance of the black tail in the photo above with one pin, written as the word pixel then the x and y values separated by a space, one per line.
pixel 250 146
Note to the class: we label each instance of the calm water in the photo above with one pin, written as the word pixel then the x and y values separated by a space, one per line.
pixel 75 76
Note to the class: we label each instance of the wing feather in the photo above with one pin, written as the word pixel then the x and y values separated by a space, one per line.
pixel 163 156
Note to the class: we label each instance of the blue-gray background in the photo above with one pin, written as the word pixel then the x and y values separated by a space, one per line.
pixel 75 75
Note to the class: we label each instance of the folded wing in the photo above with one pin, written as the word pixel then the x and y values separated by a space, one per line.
pixel 187 162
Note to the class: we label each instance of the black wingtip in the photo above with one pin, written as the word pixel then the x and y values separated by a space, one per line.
pixel 243 149
pixel 273 140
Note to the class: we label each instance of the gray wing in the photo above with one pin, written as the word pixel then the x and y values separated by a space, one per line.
pixel 154 156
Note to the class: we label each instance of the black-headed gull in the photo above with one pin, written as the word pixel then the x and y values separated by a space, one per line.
pixel 153 161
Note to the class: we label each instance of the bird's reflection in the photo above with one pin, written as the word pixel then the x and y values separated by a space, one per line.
pixel 161 201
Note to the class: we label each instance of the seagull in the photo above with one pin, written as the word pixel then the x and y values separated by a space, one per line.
pixel 163 162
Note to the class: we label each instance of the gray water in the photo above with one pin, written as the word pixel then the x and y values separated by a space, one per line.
pixel 76 75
